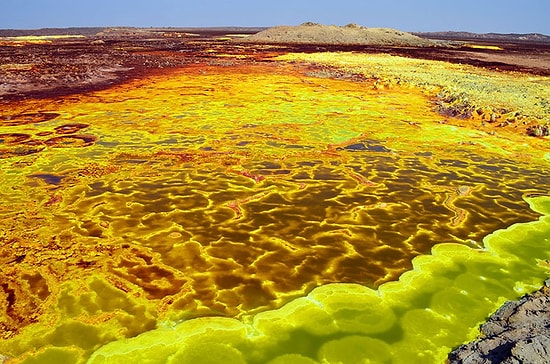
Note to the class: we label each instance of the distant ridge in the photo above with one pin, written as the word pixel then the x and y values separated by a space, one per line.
pixel 50 31
pixel 529 37
pixel 304 33
pixel 93 31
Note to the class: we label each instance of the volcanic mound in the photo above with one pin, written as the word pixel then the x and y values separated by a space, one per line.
pixel 351 34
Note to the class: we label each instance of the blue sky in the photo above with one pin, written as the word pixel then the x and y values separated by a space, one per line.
pixel 503 16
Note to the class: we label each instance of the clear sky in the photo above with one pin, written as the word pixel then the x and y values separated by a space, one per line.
pixel 481 16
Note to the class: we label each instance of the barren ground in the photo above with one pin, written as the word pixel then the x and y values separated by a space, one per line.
pixel 72 65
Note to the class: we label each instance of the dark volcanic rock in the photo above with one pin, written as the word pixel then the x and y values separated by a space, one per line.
pixel 519 332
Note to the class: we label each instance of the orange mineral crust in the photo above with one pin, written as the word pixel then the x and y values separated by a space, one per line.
pixel 227 190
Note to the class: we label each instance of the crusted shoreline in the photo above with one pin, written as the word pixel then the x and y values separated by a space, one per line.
pixel 518 332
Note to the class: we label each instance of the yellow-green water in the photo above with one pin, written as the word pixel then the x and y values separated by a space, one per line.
pixel 414 320
pixel 276 202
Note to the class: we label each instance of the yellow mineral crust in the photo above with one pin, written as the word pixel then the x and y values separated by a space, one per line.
pixel 484 46
pixel 463 91
pixel 33 39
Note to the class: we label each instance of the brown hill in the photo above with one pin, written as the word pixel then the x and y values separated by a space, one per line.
pixel 351 34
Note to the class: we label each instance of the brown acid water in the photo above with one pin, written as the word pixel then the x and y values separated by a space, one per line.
pixel 221 191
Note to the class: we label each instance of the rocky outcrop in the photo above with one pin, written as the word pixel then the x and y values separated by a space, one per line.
pixel 519 332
